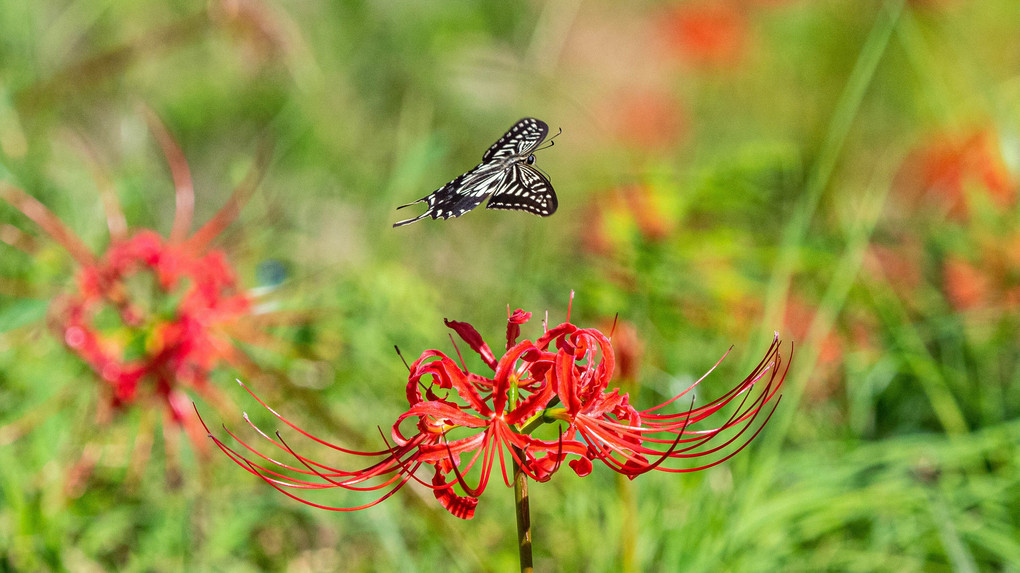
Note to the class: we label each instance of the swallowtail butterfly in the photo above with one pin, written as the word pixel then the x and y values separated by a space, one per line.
pixel 506 176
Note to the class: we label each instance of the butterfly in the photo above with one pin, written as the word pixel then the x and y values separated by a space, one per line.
pixel 506 176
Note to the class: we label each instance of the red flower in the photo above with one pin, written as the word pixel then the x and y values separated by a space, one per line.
pixel 463 420
pixel 178 331
pixel 633 441
pixel 151 316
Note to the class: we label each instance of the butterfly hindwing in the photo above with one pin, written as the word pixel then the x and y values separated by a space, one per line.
pixel 451 200
pixel 524 189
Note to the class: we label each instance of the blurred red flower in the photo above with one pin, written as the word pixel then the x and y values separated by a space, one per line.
pixel 462 419
pixel 706 32
pixel 966 286
pixel 990 283
pixel 619 215
pixel 151 311
pixel 646 119
pixel 152 317
pixel 943 172
pixel 898 264
pixel 830 345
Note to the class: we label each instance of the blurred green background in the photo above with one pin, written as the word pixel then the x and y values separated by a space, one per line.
pixel 842 172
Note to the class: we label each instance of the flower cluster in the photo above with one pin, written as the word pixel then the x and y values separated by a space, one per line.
pixel 960 191
pixel 151 310
pixel 459 423
pixel 151 316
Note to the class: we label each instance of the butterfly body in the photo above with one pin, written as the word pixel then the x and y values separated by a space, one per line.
pixel 505 176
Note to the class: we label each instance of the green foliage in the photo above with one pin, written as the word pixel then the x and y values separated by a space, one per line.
pixel 845 173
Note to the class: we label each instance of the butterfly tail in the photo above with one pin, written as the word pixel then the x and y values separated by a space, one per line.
pixel 418 218
pixel 425 198
pixel 409 221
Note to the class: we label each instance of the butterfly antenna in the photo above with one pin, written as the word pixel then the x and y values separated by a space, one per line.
pixel 549 142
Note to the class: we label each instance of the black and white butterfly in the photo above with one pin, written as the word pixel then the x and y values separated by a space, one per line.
pixel 506 175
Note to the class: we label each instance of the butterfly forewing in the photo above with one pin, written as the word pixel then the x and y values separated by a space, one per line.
pixel 505 175
pixel 520 141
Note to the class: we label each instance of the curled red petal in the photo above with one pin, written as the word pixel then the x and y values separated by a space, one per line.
pixel 458 505
pixel 513 326
pixel 470 335
pixel 36 211
pixel 232 207
pixel 581 466
pixel 184 188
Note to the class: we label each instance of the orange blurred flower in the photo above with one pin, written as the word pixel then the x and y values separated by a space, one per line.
pixel 992 282
pixel 618 216
pixel 711 33
pixel 941 174
pixel 898 264
pixel 967 286
pixel 798 319
pixel 848 333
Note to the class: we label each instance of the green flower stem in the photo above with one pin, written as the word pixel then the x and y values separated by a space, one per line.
pixel 523 507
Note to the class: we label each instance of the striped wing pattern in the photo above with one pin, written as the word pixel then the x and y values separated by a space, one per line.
pixel 520 141
pixel 524 188
pixel 505 175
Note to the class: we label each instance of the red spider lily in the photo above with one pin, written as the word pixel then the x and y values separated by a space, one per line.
pixel 633 441
pixel 179 335
pixel 463 420
pixel 151 316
